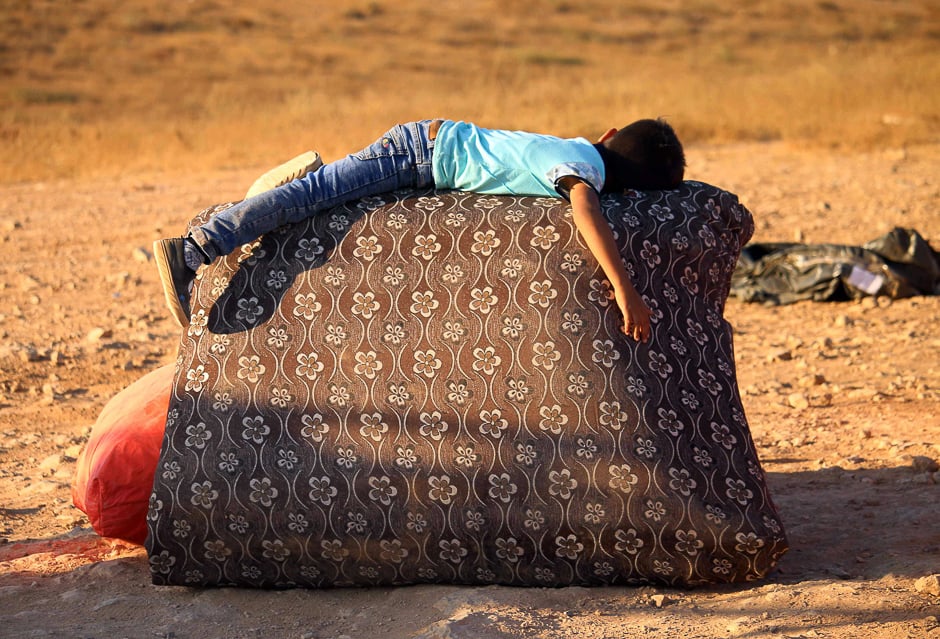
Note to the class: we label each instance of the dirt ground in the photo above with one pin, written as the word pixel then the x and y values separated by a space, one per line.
pixel 843 401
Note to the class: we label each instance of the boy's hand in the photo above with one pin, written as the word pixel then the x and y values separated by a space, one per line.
pixel 636 314
pixel 586 210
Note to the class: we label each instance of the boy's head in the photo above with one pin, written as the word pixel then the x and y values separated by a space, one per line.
pixel 645 155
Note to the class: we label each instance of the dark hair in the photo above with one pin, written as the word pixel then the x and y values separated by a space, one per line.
pixel 645 155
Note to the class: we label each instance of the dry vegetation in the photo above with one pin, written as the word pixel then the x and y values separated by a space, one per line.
pixel 97 86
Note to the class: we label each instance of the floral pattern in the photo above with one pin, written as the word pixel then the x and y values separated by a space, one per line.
pixel 433 387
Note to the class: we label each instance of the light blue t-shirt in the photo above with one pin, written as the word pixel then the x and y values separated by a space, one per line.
pixel 470 158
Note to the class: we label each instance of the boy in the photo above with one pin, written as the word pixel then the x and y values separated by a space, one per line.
pixel 645 155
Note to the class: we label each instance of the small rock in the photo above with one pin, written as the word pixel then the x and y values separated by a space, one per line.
pixel 98 334
pixel 843 321
pixel 924 464
pixel 50 463
pixel 659 600
pixel 811 380
pixel 929 585
pixel 141 255
pixel 780 356
pixel 798 401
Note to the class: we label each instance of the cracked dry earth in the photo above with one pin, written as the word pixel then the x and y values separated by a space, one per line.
pixel 843 400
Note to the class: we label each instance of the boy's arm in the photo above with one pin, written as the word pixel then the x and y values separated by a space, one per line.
pixel 586 209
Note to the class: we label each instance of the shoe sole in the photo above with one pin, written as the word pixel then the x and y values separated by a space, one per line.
pixel 162 259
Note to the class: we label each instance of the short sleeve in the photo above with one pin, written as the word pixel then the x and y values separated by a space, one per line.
pixel 581 170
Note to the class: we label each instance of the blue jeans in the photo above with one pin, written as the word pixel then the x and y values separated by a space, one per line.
pixel 399 159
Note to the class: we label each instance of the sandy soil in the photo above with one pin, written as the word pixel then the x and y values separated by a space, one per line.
pixel 843 400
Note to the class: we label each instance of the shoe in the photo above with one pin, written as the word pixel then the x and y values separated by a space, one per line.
pixel 176 277
pixel 287 172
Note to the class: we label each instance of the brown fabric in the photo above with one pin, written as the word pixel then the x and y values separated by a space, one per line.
pixel 432 387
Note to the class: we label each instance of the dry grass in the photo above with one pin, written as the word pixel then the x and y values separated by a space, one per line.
pixel 111 86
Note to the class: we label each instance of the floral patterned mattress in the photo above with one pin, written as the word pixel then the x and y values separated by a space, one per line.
pixel 432 387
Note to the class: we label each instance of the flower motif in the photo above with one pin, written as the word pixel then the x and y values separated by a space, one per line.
pixel 346 457
pixel 688 542
pixel 275 550
pixel 601 293
pixel 484 242
pixel 394 275
pixel 372 426
pixel 453 330
pixel 578 384
pixel 307 305
pixel 441 489
pixel 198 323
pixel 512 327
pixel 280 397
pixel 229 462
pixel 568 547
pixel 605 353
pixel 333 550
pixel 392 551
pixel 426 363
pixel 669 421
pixel 334 275
pixel 416 522
pixel 572 322
pixel 571 262
pixel 406 457
pixel 364 304
pixel 432 425
pixel 367 364
pixel 314 427
pixel 562 483
pixel 453 273
pixel 262 491
pixel 518 389
pixel 308 249
pixel 543 237
pixel 452 550
pixel 367 247
pixel 249 310
pixel 721 434
pixel 486 360
pixel 216 550
pixel 707 381
pixel 321 490
pixel 195 378
pixel 681 481
pixel 250 368
pixel 655 510
pixel 586 448
pixel 457 392
pixel 276 279
pixel 508 549
pixel 542 293
pixel 511 268
pixel 382 490
pixel 612 416
pixel 650 254
pixel 533 519
pixel 492 423
pixel 659 365
pixel 335 334
pixel 297 523
pixel 465 455
pixel 424 303
pixel 627 541
pixel 203 494
pixel 552 419
pixel 545 355
pixel 738 491
pixel 482 299
pixel 309 365
pixel 501 487
pixel 255 429
pixel 595 513
pixel 749 543
pixel 278 337
pixel 398 394
pixel 426 246
pixel 339 395
pixel 162 563
pixel 622 479
pixel 198 435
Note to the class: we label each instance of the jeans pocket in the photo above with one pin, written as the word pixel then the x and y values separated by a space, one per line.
pixel 390 144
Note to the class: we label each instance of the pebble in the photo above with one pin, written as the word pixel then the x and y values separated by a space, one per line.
pixel 140 254
pixel 798 401
pixel 924 464
pixel 929 585
pixel 98 334
pixel 660 600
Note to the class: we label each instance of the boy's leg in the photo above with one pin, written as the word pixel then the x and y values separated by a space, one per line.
pixel 399 159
